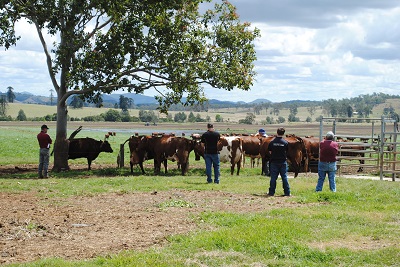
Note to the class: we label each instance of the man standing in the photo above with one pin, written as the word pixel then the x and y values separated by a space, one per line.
pixel 211 154
pixel 278 148
pixel 328 150
pixel 44 143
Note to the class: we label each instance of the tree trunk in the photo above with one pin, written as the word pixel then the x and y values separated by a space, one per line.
pixel 61 144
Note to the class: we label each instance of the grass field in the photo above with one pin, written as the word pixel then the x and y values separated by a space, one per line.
pixel 195 224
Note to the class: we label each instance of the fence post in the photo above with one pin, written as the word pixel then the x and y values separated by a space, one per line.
pixel 381 147
pixel 121 156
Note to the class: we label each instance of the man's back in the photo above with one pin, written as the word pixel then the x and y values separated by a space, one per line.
pixel 278 147
pixel 210 140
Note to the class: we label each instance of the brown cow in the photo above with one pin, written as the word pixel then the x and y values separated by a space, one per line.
pixel 140 151
pixel 312 153
pixel 88 148
pixel 295 154
pixel 175 149
pixel 160 148
pixel 265 154
pixel 251 148
pixel 198 147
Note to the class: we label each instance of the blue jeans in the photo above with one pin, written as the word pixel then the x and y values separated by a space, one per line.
pixel 278 169
pixel 323 169
pixel 212 160
pixel 43 162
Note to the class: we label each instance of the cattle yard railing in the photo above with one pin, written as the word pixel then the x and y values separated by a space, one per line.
pixel 376 149
pixel 389 149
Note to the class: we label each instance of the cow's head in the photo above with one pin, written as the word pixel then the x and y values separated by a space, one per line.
pixel 106 147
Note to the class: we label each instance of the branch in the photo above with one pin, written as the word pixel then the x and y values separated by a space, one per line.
pixel 98 26
pixel 48 57
pixel 75 92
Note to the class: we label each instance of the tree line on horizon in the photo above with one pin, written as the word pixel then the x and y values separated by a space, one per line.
pixel 356 107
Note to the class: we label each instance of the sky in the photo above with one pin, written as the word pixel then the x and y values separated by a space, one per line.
pixel 308 50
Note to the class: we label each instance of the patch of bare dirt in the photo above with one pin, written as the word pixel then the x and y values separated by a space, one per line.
pixel 33 227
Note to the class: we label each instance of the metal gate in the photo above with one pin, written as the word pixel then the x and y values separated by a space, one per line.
pixel 389 151
pixel 375 148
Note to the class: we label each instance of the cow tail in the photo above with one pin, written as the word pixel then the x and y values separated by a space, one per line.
pixel 126 141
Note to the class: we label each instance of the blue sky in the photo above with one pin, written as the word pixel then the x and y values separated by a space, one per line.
pixel 308 50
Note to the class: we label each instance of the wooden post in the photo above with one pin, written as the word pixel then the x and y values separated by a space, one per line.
pixel 121 156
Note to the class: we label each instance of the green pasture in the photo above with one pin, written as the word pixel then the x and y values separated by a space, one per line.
pixel 357 226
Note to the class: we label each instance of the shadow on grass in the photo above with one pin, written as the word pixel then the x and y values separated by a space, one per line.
pixel 103 172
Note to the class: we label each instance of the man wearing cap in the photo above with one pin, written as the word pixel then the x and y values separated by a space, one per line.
pixel 44 143
pixel 261 132
pixel 328 150
pixel 211 154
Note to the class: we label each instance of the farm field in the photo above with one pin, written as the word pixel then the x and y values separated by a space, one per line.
pixel 108 217
pixel 229 115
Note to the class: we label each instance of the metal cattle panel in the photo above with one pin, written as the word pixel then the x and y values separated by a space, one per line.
pixel 378 150
pixel 390 162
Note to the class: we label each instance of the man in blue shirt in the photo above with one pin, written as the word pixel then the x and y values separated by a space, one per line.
pixel 278 148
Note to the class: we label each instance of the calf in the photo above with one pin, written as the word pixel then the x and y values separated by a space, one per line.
pixel 88 148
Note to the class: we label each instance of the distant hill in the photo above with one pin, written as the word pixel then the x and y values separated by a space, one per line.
pixel 111 99
pixel 259 101
pixel 29 98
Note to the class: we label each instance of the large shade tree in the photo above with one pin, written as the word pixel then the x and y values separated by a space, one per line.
pixel 103 46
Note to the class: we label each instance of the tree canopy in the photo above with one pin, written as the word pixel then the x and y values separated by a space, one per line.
pixel 103 46
pixel 137 45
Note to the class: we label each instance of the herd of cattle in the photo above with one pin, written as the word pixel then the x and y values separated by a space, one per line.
pixel 233 149
pixel 303 152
